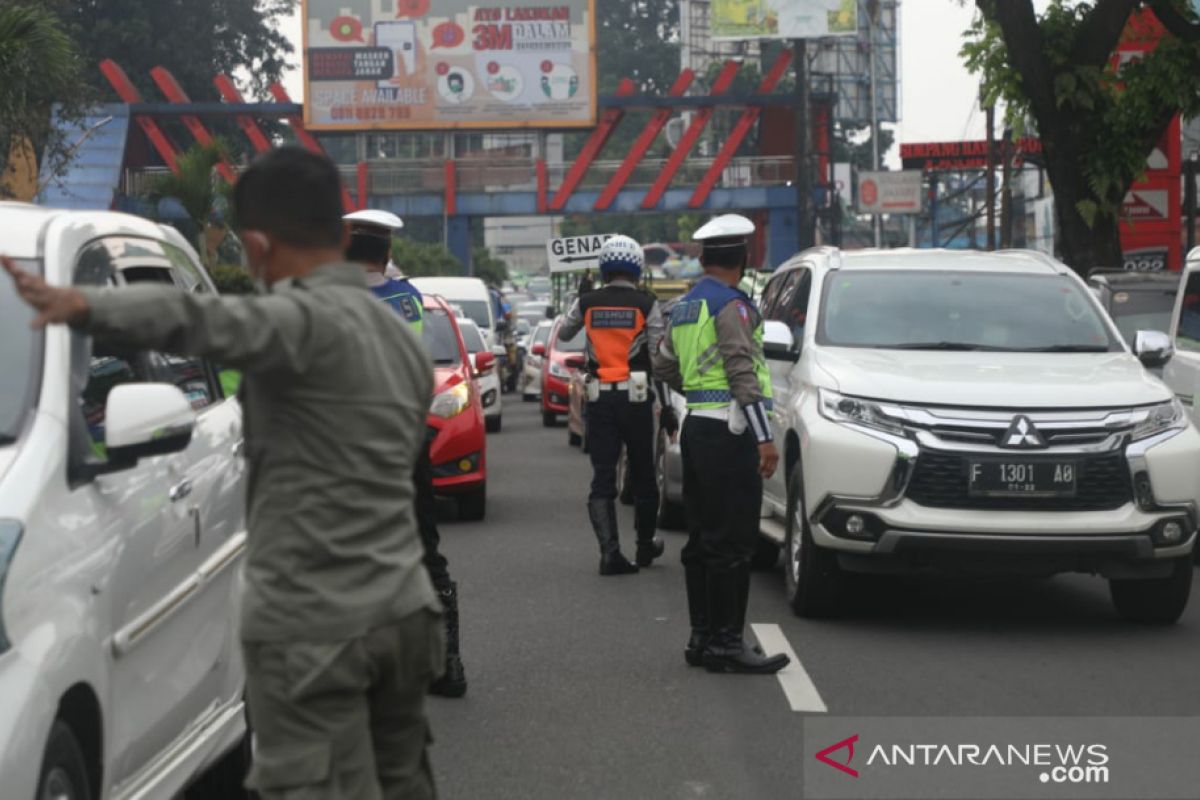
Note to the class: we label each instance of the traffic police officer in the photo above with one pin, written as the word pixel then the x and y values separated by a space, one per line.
pixel 371 245
pixel 623 325
pixel 713 354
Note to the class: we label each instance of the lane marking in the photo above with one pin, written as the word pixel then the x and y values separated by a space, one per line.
pixel 801 692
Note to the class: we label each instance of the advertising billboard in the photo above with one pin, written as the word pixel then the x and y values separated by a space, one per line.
pixel 890 192
pixel 420 64
pixel 783 19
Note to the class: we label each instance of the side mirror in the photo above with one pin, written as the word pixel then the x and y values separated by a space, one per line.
pixel 575 362
pixel 1153 348
pixel 143 420
pixel 778 343
pixel 484 362
pixel 539 349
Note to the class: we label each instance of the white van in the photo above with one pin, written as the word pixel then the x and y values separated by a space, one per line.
pixel 469 294
pixel 121 535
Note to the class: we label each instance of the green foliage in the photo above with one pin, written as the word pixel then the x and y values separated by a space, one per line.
pixel 645 228
pixel 194 39
pixel 231 279
pixel 38 68
pixel 196 184
pixel 417 259
pixel 493 270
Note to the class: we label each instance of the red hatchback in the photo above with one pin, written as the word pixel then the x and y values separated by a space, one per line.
pixel 561 361
pixel 459 452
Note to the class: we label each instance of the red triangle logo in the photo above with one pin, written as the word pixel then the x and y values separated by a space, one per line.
pixel 845 744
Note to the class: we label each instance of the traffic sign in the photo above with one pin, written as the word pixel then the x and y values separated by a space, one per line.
pixel 575 252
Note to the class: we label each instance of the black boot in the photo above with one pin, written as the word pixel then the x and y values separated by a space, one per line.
pixel 604 522
pixel 453 682
pixel 726 650
pixel 696 580
pixel 645 521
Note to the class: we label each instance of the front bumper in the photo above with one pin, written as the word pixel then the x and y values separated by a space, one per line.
pixel 555 394
pixel 853 471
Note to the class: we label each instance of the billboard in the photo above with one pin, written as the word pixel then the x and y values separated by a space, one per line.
pixel 419 64
pixel 890 192
pixel 783 19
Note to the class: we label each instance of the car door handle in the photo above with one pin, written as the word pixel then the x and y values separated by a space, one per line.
pixel 180 491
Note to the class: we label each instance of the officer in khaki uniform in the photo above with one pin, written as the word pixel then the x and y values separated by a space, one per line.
pixel 341 629
pixel 713 354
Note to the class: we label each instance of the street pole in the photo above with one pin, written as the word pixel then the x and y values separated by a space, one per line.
pixel 876 219
pixel 990 177
pixel 1006 204
pixel 806 222
pixel 1189 199
pixel 934 234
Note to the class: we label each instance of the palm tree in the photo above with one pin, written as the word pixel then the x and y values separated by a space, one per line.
pixel 196 185
pixel 39 68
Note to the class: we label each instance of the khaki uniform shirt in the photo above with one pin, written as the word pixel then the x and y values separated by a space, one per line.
pixel 335 395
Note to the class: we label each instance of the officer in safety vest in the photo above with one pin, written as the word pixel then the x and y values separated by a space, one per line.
pixel 623 325
pixel 371 245
pixel 713 354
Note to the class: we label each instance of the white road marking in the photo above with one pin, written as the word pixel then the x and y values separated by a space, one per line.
pixel 799 689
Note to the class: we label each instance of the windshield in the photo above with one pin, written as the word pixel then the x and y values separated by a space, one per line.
pixel 541 335
pixel 1142 311
pixel 476 311
pixel 934 310
pixel 439 338
pixel 472 338
pixel 573 345
pixel 18 346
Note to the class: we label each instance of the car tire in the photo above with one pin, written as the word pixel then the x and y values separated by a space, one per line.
pixel 226 778
pixel 574 439
pixel 766 555
pixel 492 424
pixel 549 419
pixel 812 574
pixel 64 770
pixel 472 507
pixel 671 515
pixel 1154 601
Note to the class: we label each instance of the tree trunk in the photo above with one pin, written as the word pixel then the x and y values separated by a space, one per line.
pixel 1081 246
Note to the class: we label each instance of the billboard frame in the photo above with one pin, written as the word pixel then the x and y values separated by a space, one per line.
pixel 367 127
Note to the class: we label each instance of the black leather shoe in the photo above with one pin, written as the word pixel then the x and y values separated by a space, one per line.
pixel 693 654
pixel 649 550
pixel 616 564
pixel 742 659
pixel 454 682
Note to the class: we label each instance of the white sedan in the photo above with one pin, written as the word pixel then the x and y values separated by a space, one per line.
pixel 489 380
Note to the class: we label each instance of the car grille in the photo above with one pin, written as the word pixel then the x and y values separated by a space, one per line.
pixel 940 481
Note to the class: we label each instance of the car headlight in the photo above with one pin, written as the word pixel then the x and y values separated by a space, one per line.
pixel 559 371
pixel 1158 419
pixel 10 535
pixel 856 411
pixel 451 402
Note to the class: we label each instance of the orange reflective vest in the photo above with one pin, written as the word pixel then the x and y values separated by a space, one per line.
pixel 615 318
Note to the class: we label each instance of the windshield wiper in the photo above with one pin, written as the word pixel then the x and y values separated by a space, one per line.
pixel 942 346
pixel 1068 348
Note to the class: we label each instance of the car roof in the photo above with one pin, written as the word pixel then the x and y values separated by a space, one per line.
pixel 1020 261
pixel 450 286
pixel 1137 281
pixel 23 225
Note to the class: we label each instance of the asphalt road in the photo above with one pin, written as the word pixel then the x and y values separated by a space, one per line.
pixel 578 688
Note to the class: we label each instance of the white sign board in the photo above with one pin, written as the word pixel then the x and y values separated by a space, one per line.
pixel 575 252
pixel 889 192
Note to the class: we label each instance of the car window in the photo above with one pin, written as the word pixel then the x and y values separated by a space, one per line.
pixel 541 335
pixel 19 348
pixel 1187 334
pixel 476 311
pixel 792 308
pixel 107 369
pixel 573 345
pixel 472 338
pixel 771 293
pixel 936 310
pixel 440 338
pixel 187 271
pixel 1142 310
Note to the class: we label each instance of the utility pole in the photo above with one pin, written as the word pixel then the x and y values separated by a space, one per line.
pixel 806 222
pixel 1189 198
pixel 872 10
pixel 990 176
pixel 1006 204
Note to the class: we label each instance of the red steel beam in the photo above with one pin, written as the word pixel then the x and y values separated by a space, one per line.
pixel 306 139
pixel 595 143
pixel 363 185
pixel 451 174
pixel 643 142
pixel 175 94
pixel 230 94
pixel 749 117
pixel 690 136
pixel 129 94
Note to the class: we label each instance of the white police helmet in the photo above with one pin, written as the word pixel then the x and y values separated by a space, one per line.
pixel 622 254
pixel 379 219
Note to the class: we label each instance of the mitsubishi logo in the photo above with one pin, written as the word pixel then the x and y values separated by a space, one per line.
pixel 1023 435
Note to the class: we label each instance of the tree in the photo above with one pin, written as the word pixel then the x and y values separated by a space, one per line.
pixel 1098 124
pixel 417 259
pixel 204 196
pixel 486 266
pixel 194 40
pixel 38 68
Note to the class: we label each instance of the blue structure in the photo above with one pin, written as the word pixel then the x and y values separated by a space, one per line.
pixel 91 178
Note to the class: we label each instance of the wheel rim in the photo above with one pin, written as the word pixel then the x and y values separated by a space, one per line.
pixel 795 548
pixel 59 786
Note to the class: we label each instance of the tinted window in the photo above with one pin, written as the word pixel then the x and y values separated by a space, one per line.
pixel 19 346
pixel 472 338
pixel 107 369
pixel 1142 310
pixel 476 311
pixel 440 338
pixel 573 345
pixel 771 294
pixel 961 310
pixel 541 335
pixel 1187 335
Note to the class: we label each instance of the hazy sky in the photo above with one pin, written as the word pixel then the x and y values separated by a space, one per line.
pixel 938 97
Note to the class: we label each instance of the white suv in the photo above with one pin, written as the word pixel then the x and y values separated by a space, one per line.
pixel 121 536
pixel 971 412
